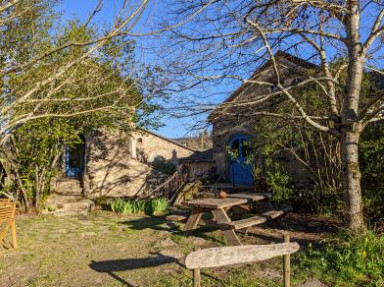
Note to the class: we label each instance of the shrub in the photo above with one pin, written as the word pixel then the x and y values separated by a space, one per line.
pixel 371 155
pixel 279 182
pixel 117 205
pixel 346 260
pixel 157 206
pixel 153 206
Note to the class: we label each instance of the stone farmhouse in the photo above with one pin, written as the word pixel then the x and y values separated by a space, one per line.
pixel 232 123
pixel 115 164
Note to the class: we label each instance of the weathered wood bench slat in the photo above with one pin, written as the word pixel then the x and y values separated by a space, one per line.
pixel 224 256
pixel 215 203
pixel 258 219
pixel 253 197
pixel 243 223
pixel 176 217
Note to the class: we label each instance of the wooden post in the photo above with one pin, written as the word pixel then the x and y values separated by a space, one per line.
pixel 287 264
pixel 196 277
pixel 13 232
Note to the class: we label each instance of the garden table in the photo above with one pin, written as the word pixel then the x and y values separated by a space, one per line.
pixel 218 207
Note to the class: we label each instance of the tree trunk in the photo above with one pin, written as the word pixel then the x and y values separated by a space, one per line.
pixel 351 127
pixel 353 218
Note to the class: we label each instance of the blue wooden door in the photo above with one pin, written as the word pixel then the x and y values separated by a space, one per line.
pixel 75 160
pixel 240 167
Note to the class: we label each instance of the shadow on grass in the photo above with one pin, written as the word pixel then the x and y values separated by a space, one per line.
pixel 111 266
pixel 153 222
pixel 161 224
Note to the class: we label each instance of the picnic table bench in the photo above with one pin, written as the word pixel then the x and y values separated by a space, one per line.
pixel 219 207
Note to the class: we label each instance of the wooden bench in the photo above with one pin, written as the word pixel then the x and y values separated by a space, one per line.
pixel 225 256
pixel 8 225
pixel 176 217
pixel 258 219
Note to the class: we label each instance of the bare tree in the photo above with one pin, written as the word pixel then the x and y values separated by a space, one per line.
pixel 227 40
pixel 44 70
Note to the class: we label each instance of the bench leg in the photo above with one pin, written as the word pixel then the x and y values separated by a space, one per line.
pixel 287 265
pixel 193 219
pixel 196 277
pixel 232 238
pixel 222 217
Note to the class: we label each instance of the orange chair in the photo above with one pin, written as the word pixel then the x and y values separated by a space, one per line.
pixel 8 239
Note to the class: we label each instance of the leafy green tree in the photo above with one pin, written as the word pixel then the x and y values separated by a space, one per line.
pixel 83 81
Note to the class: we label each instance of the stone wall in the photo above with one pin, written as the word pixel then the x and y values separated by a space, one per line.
pixel 153 145
pixel 113 166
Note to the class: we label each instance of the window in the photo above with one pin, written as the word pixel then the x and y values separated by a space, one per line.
pixel 140 140
pixel 235 148
pixel 244 148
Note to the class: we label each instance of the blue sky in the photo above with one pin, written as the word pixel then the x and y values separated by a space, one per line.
pixel 182 126
pixel 173 127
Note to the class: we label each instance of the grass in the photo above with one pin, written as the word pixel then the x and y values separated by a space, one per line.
pixel 345 260
pixel 58 252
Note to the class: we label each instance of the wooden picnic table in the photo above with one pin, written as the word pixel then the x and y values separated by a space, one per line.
pixel 219 207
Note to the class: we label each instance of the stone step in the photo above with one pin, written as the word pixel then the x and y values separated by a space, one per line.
pixel 61 199
pixel 84 204
pixel 69 192
pixel 69 213
pixel 68 179
pixel 59 207
pixel 68 186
